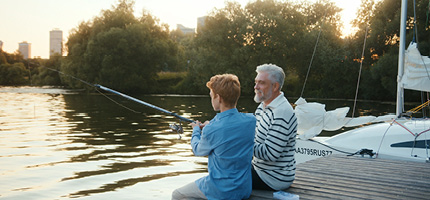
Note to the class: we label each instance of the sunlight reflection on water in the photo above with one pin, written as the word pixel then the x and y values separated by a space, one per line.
pixel 58 146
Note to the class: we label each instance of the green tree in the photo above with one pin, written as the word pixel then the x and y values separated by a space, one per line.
pixel 327 71
pixel 119 50
pixel 381 60
pixel 13 74
pixel 3 59
pixel 10 57
pixel 185 50
pixel 236 39
pixel 46 72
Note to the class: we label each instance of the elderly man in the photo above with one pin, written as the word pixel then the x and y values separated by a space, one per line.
pixel 275 132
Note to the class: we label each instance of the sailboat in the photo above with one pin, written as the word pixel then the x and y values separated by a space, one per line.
pixel 396 137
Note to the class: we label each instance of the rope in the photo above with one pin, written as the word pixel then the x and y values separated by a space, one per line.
pixel 413 134
pixel 313 55
pixel 359 73
pixel 310 63
pixel 383 136
pixel 349 153
pixel 428 10
pixel 425 67
pixel 415 29
pixel 420 107
pixel 427 149
pixel 423 132
pixel 359 152
pixel 415 37
pixel 423 94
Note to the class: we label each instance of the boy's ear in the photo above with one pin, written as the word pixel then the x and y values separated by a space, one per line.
pixel 219 98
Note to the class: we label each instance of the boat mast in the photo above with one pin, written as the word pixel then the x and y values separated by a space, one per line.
pixel 400 100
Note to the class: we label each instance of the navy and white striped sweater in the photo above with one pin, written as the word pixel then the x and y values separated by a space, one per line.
pixel 275 140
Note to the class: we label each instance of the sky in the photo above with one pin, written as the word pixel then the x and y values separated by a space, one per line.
pixel 31 20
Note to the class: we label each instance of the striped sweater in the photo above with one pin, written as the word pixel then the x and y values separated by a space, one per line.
pixel 275 140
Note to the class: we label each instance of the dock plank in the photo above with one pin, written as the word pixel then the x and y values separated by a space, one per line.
pixel 359 185
pixel 349 177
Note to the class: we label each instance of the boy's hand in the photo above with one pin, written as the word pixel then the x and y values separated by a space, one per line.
pixel 196 123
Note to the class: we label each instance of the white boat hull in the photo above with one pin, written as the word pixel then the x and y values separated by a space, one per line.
pixel 399 140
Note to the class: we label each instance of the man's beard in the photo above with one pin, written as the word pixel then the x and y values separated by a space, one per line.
pixel 263 97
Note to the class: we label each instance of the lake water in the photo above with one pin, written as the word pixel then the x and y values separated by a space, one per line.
pixel 58 144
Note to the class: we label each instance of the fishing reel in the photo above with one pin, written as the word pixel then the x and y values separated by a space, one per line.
pixel 177 128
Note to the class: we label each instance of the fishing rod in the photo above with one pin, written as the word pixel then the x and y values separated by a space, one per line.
pixel 144 103
pixel 174 127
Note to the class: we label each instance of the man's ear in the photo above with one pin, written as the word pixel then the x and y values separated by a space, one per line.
pixel 276 86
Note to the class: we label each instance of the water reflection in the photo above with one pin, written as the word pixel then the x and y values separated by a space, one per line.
pixel 57 145
pixel 131 142
pixel 72 146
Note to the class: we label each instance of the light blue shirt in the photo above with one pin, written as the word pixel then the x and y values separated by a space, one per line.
pixel 228 142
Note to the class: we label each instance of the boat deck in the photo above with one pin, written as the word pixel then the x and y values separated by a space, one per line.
pixel 342 177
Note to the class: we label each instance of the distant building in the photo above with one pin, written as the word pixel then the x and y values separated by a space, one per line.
pixel 55 42
pixel 25 49
pixel 185 30
pixel 201 22
pixel 1 45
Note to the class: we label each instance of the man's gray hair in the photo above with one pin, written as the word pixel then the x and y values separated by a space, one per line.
pixel 276 74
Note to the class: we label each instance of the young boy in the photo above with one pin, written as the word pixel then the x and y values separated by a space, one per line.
pixel 228 141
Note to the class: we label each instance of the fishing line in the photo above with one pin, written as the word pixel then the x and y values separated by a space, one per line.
pixel 175 127
pixel 93 85
pixel 71 76
pixel 117 103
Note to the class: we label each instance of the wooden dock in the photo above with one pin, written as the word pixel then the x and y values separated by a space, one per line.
pixel 342 177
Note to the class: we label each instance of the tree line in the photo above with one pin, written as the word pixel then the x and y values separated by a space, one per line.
pixel 141 55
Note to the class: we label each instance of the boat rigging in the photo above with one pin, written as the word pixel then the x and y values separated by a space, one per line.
pixel 400 137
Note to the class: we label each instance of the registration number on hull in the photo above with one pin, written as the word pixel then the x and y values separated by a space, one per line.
pixel 313 152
